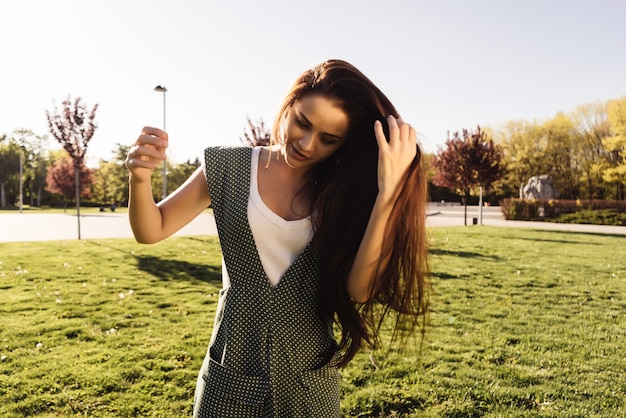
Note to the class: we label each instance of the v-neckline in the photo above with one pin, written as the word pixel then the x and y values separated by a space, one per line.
pixel 253 180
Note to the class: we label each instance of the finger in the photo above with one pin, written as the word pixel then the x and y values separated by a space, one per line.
pixel 394 131
pixel 412 134
pixel 150 152
pixel 149 130
pixel 405 130
pixel 153 141
pixel 380 135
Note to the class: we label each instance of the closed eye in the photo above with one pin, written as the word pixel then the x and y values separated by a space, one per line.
pixel 329 140
pixel 301 123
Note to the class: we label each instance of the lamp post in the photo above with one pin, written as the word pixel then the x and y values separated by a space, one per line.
pixel 162 89
pixel 21 178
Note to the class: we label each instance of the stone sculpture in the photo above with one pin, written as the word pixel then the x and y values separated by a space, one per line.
pixel 539 187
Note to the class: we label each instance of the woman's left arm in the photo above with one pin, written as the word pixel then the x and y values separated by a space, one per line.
pixel 394 159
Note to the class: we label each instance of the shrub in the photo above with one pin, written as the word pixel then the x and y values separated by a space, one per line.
pixel 551 209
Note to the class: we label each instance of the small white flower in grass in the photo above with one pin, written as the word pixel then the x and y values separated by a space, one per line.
pixel 57 293
pixel 66 265
pixel 519 272
pixel 113 280
pixel 122 295
pixel 80 267
pixel 131 292
pixel 38 345
pixel 111 331
pixel 84 284
pixel 58 300
pixel 3 358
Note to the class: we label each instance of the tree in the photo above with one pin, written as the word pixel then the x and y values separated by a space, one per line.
pixel 591 126
pixel 256 134
pixel 73 127
pixel 561 155
pixel 9 169
pixel 111 178
pixel 615 145
pixel 523 146
pixel 34 161
pixel 61 178
pixel 179 173
pixel 468 162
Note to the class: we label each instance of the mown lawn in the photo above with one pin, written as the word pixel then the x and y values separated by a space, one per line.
pixel 525 323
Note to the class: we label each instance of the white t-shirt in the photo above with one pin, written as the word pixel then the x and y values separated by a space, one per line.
pixel 278 242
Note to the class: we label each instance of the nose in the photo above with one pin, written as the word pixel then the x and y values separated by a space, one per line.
pixel 306 142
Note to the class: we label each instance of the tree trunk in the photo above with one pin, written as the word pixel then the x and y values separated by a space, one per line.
pixel 77 182
pixel 39 192
pixel 3 198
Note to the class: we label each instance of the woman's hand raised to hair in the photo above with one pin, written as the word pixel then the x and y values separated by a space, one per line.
pixel 394 156
pixel 146 154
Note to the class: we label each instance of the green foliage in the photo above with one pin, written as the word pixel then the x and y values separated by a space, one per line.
pixel 9 171
pixel 597 212
pixel 582 151
pixel 593 217
pixel 524 324
pixel 615 144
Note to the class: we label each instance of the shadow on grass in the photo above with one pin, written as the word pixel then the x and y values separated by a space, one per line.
pixel 444 276
pixel 462 254
pixel 573 234
pixel 165 269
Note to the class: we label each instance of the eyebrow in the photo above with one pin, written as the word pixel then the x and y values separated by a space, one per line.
pixel 303 116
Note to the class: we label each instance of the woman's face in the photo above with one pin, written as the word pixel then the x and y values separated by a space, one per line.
pixel 315 127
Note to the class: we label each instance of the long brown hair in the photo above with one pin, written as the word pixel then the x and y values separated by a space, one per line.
pixel 343 190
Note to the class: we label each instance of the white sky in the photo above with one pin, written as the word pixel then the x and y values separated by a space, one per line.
pixel 445 64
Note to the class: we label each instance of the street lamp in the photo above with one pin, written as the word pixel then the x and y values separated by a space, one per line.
pixel 21 178
pixel 162 89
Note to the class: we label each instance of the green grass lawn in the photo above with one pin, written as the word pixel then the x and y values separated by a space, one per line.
pixel 525 323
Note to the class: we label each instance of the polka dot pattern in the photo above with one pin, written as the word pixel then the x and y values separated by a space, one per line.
pixel 268 354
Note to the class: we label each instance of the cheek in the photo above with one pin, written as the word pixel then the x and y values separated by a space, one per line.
pixel 291 131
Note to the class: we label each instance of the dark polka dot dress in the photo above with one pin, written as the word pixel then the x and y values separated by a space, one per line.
pixel 269 350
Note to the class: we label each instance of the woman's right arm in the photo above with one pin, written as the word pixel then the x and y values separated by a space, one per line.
pixel 153 222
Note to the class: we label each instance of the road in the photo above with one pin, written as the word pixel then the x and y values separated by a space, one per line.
pixel 16 227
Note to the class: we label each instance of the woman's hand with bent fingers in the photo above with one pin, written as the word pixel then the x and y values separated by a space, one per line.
pixel 394 156
pixel 147 153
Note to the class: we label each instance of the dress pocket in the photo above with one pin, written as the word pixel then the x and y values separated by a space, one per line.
pixel 322 389
pixel 228 393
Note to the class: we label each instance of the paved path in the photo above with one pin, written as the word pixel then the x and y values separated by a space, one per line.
pixel 16 227
pixel 440 215
pixel 58 226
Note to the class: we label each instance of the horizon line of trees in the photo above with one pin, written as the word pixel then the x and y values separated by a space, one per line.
pixel 583 151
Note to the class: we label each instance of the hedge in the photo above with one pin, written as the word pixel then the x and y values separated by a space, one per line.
pixel 540 209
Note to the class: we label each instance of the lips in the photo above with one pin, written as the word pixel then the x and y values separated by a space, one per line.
pixel 297 155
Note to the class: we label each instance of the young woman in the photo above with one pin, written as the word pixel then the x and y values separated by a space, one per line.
pixel 321 227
